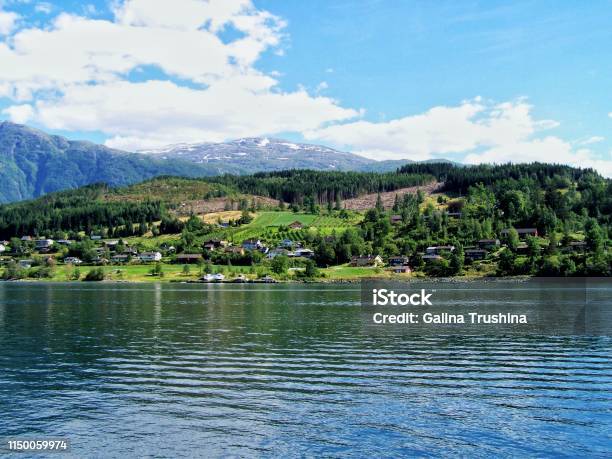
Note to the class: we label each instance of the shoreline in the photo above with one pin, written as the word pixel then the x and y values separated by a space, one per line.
pixel 462 280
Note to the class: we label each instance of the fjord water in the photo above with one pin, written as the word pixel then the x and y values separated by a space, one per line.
pixel 284 370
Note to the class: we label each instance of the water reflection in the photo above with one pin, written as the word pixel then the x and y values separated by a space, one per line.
pixel 180 370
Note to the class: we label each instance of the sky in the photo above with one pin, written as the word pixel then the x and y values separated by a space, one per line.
pixel 472 81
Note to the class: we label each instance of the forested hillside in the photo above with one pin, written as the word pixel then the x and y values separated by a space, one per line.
pixel 534 219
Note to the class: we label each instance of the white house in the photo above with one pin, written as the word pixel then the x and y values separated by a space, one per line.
pixel 304 253
pixel 150 256
pixel 2 248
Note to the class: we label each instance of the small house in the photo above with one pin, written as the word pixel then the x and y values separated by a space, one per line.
pixel 99 260
pixel 187 258
pixel 488 244
pixel 112 245
pixel 402 269
pixel 43 243
pixel 396 219
pixel 147 257
pixel 475 254
pixel 453 214
pixel 64 242
pixel 296 225
pixel 252 244
pixel 213 244
pixel 522 232
pixel 2 248
pixel 367 260
pixel 307 253
pixel 398 260
pixel 236 250
pixel 431 258
pixel 73 261
pixel 26 238
pixel 438 249
pixel 120 258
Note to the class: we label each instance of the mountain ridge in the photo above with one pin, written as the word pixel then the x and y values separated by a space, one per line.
pixel 34 163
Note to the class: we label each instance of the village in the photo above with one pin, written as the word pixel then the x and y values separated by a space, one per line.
pixel 219 260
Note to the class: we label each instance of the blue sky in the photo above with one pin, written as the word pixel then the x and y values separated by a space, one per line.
pixel 473 81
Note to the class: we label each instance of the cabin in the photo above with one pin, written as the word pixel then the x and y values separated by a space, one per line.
pixel 438 249
pixel 399 260
pixel 73 261
pixel 488 244
pixel 401 269
pixel 307 253
pixel 431 258
pixel 26 238
pixel 252 244
pixel 296 225
pixel 99 260
pixel 111 245
pixel 367 260
pixel 64 242
pixel 475 254
pixel 147 257
pixel 188 258
pixel 396 219
pixel 522 232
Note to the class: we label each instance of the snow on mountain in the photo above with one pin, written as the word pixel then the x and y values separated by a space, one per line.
pixel 253 154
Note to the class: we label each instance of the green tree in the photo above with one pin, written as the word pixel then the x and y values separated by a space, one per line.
pixel 280 264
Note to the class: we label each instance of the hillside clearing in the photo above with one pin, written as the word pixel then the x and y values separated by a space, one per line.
pixel 368 201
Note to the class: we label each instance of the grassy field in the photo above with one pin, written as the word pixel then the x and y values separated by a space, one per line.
pixel 141 273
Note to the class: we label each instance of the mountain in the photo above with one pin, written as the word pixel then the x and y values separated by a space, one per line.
pixel 255 154
pixel 33 163
pixel 258 154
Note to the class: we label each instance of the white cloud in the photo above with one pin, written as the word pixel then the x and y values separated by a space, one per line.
pixel 19 113
pixel 7 21
pixel 591 140
pixel 43 7
pixel 209 89
pixel 475 130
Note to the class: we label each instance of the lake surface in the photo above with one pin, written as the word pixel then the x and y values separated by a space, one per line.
pixel 276 370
